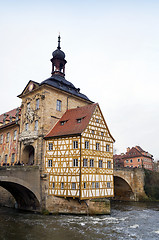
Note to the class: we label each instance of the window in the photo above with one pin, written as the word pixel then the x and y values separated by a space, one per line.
pixel 108 164
pixel 26 126
pixel 84 185
pixel 100 163
pixel 62 185
pixel 138 160
pixel 97 146
pixel 75 162
pixel 102 133
pixel 28 106
pixel 84 162
pixel 107 147
pixel 50 146
pixel 79 120
pixel 127 161
pixel 53 185
pixel 86 145
pixel 15 135
pixel 92 131
pixel 8 134
pixel 91 162
pixel 58 105
pixel 131 160
pixel 50 163
pixel 97 120
pixel 93 184
pixel 108 184
pixel 73 185
pixel 75 144
pixel 5 158
pixel 1 140
pixel 97 184
pixel 63 122
pixel 36 125
pixel 13 157
pixel 37 103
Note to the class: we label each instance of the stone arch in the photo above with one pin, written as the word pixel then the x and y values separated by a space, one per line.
pixel 122 190
pixel 28 155
pixel 25 197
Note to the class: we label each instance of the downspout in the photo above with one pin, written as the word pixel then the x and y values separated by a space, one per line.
pixel 80 171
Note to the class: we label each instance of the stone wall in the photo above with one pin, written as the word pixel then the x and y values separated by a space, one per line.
pixel 6 199
pixel 59 205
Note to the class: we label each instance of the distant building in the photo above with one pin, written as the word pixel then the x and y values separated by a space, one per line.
pixel 134 157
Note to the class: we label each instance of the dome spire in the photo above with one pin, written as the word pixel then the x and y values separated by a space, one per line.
pixel 58 61
pixel 59 38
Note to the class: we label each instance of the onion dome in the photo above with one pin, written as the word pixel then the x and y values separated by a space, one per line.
pixel 58 53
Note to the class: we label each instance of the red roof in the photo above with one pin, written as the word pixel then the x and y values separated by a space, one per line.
pixel 10 113
pixel 69 123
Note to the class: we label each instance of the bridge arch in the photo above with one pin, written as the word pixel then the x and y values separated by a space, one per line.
pixel 26 198
pixel 122 190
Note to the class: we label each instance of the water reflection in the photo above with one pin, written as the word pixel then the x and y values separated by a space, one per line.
pixel 127 221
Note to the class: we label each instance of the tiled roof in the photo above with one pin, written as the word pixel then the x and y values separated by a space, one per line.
pixel 8 114
pixel 69 124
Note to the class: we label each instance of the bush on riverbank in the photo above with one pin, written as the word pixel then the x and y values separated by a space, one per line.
pixel 152 184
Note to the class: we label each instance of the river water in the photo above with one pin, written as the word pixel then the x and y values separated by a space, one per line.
pixel 127 221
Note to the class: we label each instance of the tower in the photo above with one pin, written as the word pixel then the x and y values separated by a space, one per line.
pixel 58 61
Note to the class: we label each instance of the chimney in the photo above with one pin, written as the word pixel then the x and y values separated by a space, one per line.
pixel 128 149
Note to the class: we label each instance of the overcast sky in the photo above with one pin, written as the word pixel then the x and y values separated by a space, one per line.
pixel 112 53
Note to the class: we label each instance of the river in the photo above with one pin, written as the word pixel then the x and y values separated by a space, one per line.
pixel 127 221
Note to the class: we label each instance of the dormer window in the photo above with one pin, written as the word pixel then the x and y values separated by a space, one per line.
pixel 80 119
pixel 63 122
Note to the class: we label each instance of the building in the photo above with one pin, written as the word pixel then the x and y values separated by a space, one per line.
pixel 79 155
pixel 134 157
pixel 63 132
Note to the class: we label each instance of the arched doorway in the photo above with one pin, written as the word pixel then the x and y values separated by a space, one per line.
pixel 122 190
pixel 28 155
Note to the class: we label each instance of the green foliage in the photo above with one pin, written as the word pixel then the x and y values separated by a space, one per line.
pixel 152 184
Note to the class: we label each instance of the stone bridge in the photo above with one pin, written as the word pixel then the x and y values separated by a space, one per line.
pixel 23 182
pixel 129 184
pixel 28 187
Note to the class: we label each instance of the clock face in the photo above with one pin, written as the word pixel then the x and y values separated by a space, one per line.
pixel 31 87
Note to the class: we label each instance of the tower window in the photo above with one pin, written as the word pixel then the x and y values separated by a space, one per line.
pixel 36 125
pixel 93 184
pixel 62 185
pixel 26 127
pixel 108 184
pixel 28 106
pixel 84 185
pixel 58 105
pixel 53 185
pixel 37 103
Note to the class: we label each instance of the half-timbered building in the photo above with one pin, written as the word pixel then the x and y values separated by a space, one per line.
pixel 79 155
